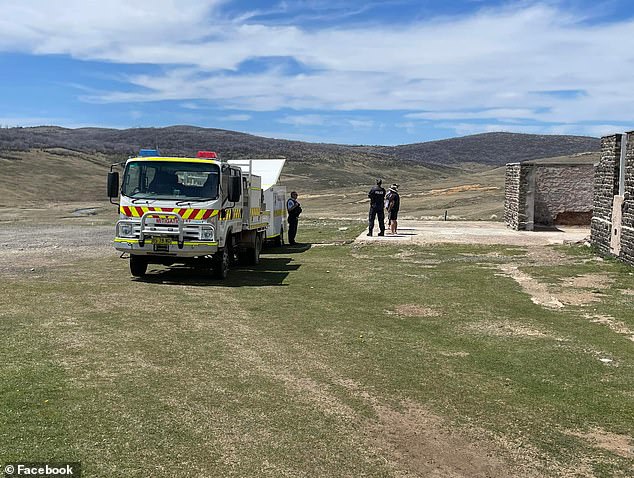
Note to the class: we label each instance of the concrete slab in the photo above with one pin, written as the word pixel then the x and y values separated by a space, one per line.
pixel 475 232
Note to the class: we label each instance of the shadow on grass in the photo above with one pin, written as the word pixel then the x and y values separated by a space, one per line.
pixel 288 249
pixel 270 271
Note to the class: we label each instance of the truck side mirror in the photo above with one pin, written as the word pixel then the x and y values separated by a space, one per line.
pixel 235 191
pixel 113 184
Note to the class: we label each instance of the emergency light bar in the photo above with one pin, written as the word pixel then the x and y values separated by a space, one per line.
pixel 144 153
pixel 207 154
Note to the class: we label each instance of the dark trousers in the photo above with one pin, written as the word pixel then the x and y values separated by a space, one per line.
pixel 292 228
pixel 380 215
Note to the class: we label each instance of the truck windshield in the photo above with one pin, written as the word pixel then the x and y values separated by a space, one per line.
pixel 170 180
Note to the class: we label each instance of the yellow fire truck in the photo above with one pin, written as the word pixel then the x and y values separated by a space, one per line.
pixel 194 211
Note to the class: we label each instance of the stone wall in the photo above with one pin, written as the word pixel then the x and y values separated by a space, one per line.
pixel 548 194
pixel 627 226
pixel 512 195
pixel 563 194
pixel 610 235
pixel 606 186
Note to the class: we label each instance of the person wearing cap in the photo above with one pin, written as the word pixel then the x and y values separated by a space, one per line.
pixel 393 205
pixel 377 196
pixel 294 210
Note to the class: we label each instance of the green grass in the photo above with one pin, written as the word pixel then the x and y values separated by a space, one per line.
pixel 282 370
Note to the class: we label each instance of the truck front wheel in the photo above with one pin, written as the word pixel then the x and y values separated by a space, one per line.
pixel 138 266
pixel 221 263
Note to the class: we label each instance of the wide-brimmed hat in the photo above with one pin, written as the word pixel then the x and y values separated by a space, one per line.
pixel 394 187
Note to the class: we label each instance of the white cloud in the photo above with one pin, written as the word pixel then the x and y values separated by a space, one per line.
pixel 10 122
pixel 484 66
pixel 101 29
pixel 236 117
pixel 190 105
pixel 360 124
pixel 499 113
pixel 303 120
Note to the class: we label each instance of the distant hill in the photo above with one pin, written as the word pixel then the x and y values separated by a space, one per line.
pixel 491 149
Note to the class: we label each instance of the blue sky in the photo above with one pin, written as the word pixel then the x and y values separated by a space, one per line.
pixel 355 72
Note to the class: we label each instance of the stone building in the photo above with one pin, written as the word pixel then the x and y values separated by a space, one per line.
pixel 612 230
pixel 549 192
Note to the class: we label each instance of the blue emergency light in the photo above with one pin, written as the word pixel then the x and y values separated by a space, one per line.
pixel 144 153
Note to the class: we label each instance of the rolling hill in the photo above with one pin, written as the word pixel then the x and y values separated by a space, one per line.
pixel 490 149
pixel 493 149
pixel 465 176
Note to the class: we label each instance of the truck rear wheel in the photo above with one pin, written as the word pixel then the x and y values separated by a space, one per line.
pixel 138 265
pixel 253 253
pixel 279 240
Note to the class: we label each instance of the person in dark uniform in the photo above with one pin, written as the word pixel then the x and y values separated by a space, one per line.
pixel 377 198
pixel 393 205
pixel 294 210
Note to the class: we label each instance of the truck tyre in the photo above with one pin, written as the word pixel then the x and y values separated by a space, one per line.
pixel 254 252
pixel 221 263
pixel 279 240
pixel 138 266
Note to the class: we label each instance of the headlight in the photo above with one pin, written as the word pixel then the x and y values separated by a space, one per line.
pixel 126 230
pixel 206 234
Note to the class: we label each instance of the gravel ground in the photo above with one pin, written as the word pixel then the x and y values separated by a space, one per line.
pixel 27 248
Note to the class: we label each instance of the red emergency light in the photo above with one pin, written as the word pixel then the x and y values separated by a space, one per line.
pixel 207 154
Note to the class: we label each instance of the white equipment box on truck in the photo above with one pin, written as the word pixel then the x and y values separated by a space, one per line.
pixel 274 198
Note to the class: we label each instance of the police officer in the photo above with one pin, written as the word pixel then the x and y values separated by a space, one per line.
pixel 294 210
pixel 377 198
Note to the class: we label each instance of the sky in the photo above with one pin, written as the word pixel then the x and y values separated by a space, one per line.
pixel 351 72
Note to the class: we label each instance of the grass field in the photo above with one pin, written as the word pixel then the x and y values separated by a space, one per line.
pixel 327 359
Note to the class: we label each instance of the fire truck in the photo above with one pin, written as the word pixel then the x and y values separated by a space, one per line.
pixel 200 211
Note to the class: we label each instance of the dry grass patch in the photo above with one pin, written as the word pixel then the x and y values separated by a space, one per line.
pixel 589 281
pixel 613 324
pixel 454 354
pixel 507 328
pixel 418 443
pixel 573 292
pixel 415 310
pixel 621 445
pixel 538 291
pixel 459 189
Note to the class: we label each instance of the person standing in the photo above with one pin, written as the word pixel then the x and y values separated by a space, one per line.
pixel 294 210
pixel 377 198
pixel 393 205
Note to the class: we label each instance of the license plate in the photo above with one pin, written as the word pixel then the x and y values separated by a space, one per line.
pixel 161 241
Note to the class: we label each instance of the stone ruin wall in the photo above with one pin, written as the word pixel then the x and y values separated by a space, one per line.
pixel 512 193
pixel 606 187
pixel 562 194
pixel 627 232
